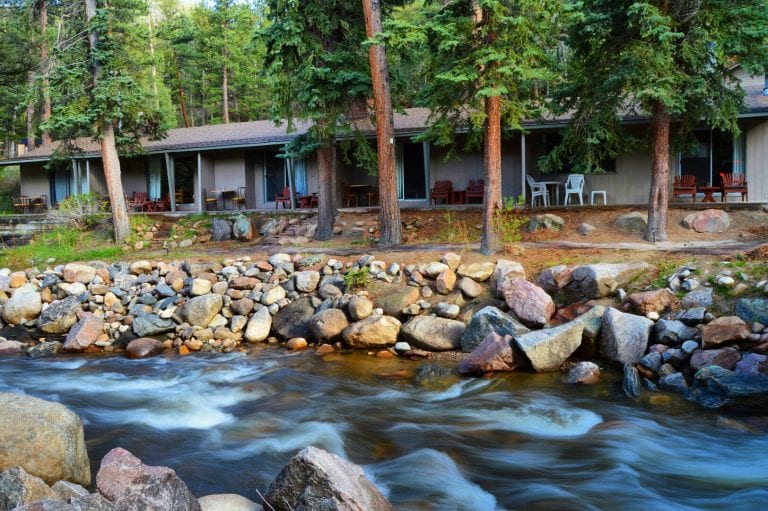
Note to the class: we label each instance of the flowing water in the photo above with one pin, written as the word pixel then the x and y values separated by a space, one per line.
pixel 227 423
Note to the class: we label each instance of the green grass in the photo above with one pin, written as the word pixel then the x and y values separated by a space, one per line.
pixel 64 245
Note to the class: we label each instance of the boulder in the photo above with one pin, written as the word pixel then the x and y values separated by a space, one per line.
pixel 593 326
pixel 242 228
pixel 528 301
pixel 144 347
pixel 486 320
pixel 84 333
pixel 243 306
pixel 447 310
pixel 258 326
pixel 495 353
pixel 293 320
pixel 131 485
pixel 306 281
pixel 701 297
pixel 753 363
pixel 548 349
pixel 546 222
pixel 273 227
pixel 630 384
pixel 44 438
pixel 273 295
pixel 10 347
pixel 433 269
pixel 479 272
pixel 59 317
pixel 753 310
pixel 727 358
pixel 585 229
pixel 44 349
pixel 200 287
pixel 227 502
pixel 634 221
pixel 710 220
pixel 328 325
pixel 603 279
pixel 657 300
pixel 445 282
pixel 375 331
pixel 318 480
pixel 725 329
pixel 17 488
pixel 715 387
pixel 359 307
pixel 504 270
pixel 433 334
pixel 586 373
pixel 392 299
pixel 674 382
pixel 22 307
pixel 470 288
pixel 201 310
pixel 624 337
pixel 140 267
pixel 146 325
pixel 221 229
pixel 77 272
pixel 673 332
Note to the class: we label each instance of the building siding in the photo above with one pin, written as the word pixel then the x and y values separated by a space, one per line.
pixel 757 162
pixel 34 180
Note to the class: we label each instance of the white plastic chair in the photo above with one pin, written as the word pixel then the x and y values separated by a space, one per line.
pixel 537 190
pixel 574 185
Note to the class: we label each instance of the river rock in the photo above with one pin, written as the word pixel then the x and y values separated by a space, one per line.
pixel 528 301
pixel 393 298
pixel 624 337
pixel 131 485
pixel 433 269
pixel 44 438
pixel 201 310
pixel 139 267
pixel 674 382
pixel 753 363
pixel 585 373
pixel 242 228
pixel 445 282
pixel 710 220
pixel 375 331
pixel 318 480
pixel 17 488
pixel 753 310
pixel 701 297
pixel 10 347
pixel 726 358
pixel 293 320
pixel 227 502
pixel 447 310
pixel 77 272
pixel 548 349
pixel 59 317
pixel 243 306
pixel 503 271
pixel 22 307
pixel 273 227
pixel 630 383
pixel 200 287
pixel 359 307
pixel 84 333
pixel 144 347
pixel 493 354
pixel 479 272
pixel 432 333
pixel 693 316
pixel 673 332
pixel 273 295
pixel 657 300
pixel 634 221
pixel 259 325
pixel 296 344
pixel 470 288
pixel 328 325
pixel 306 281
pixel 725 329
pixel 146 325
pixel 715 387
pixel 44 349
pixel 486 320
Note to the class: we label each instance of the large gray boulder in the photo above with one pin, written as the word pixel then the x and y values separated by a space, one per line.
pixel 131 485
pixel 548 349
pixel 44 438
pixel 59 317
pixel 753 310
pixel 200 310
pixel 486 320
pixel 328 325
pixel 709 220
pixel 78 272
pixel 393 298
pixel 315 480
pixel 18 487
pixel 432 333
pixel 673 332
pixel 715 387
pixel 634 221
pixel 494 354
pixel 306 281
pixel 293 320
pixel 375 331
pixel 505 270
pixel 479 272
pixel 590 280
pixel 22 307
pixel 624 337
pixel 242 228
pixel 258 326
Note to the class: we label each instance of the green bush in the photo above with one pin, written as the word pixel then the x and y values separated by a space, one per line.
pixel 81 211
pixel 509 220
pixel 357 278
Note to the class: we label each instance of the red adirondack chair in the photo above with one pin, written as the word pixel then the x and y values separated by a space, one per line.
pixel 733 183
pixel 684 185
pixel 475 190
pixel 442 190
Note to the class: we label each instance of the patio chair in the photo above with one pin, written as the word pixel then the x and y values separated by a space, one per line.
pixel 733 183
pixel 537 190
pixel 21 204
pixel 40 204
pixel 239 199
pixel 210 202
pixel 574 186
pixel 475 190
pixel 283 198
pixel 442 190
pixel 684 185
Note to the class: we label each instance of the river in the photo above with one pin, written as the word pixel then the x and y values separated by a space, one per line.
pixel 227 423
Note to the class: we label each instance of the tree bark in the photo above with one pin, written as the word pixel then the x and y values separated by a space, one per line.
pixel 182 100
pixel 659 195
pixel 489 243
pixel 389 214
pixel 326 156
pixel 225 94
pixel 109 156
pixel 45 68
pixel 30 114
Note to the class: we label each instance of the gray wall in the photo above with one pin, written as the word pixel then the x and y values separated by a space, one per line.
pixel 34 180
pixel 757 162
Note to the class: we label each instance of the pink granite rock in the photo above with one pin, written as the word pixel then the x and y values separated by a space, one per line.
pixel 494 353
pixel 528 301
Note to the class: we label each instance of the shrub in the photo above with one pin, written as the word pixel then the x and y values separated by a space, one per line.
pixel 357 278
pixel 509 220
pixel 81 211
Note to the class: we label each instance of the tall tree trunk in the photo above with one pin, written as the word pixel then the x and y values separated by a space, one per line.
pixel 489 242
pixel 225 94
pixel 659 196
pixel 182 100
pixel 326 157
pixel 30 114
pixel 45 68
pixel 109 156
pixel 155 94
pixel 389 214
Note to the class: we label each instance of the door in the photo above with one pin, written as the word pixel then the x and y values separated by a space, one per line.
pixel 410 166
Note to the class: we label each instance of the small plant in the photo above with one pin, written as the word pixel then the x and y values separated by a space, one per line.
pixel 81 211
pixel 666 269
pixel 357 278
pixel 509 220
